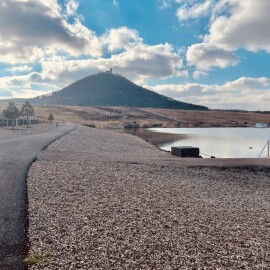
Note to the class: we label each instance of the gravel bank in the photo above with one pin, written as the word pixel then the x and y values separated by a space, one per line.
pixel 116 207
pixel 8 133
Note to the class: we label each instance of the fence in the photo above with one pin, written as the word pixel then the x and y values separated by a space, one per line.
pixel 17 122
pixel 267 146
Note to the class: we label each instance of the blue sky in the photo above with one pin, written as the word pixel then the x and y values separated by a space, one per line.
pixel 209 52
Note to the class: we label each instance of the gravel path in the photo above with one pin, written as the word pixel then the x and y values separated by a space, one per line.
pixel 8 133
pixel 105 201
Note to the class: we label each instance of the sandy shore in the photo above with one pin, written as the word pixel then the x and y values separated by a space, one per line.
pixel 102 200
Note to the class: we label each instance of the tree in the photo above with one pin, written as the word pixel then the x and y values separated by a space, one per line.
pixel 27 110
pixel 51 117
pixel 11 112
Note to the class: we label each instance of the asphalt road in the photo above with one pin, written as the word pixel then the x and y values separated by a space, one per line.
pixel 16 156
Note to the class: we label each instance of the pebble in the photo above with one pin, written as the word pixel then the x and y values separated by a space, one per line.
pixel 113 210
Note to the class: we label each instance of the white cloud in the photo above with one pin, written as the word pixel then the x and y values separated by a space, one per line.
pixel 12 53
pixel 28 93
pixel 71 7
pixel 206 56
pixel 248 84
pixel 164 4
pixel 243 93
pixel 29 27
pixel 194 9
pixel 144 62
pixel 139 63
pixel 246 26
pixel 41 33
pixel 168 3
pixel 234 24
pixel 16 69
pixel 121 38
pixel 197 74
pixel 25 86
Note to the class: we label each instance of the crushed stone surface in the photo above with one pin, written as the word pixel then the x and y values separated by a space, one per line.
pixel 9 132
pixel 114 213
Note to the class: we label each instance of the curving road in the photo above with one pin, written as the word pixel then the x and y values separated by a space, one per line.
pixel 16 156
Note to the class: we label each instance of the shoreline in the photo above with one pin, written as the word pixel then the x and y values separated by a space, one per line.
pixel 226 163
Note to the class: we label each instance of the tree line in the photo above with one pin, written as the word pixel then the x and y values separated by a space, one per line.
pixel 12 112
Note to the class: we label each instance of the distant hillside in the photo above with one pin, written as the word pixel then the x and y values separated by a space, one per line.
pixel 107 89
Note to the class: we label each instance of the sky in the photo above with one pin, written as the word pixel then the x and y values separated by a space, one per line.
pixel 214 53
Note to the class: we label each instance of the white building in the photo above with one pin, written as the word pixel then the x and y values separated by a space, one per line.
pixel 261 125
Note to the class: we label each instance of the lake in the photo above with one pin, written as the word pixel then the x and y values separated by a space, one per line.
pixel 218 142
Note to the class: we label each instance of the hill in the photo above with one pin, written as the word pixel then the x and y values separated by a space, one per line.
pixel 108 89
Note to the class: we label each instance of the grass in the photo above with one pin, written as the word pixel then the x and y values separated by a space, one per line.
pixel 35 259
pixel 147 117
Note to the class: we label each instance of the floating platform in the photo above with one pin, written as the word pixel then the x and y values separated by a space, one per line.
pixel 186 151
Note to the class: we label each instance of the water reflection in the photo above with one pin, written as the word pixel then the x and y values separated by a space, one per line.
pixel 218 142
pixel 156 138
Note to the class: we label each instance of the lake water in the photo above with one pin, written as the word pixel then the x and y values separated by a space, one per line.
pixel 218 142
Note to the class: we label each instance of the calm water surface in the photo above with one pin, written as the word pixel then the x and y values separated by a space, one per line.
pixel 218 142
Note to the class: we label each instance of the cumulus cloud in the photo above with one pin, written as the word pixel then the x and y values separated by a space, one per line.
pixel 27 27
pixel 25 86
pixel 233 23
pixel 121 38
pixel 243 93
pixel 39 31
pixel 197 74
pixel 248 84
pixel 206 56
pixel 194 9
pixel 140 63
pixel 144 62
pixel 241 24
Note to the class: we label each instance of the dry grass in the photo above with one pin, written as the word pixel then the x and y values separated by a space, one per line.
pixel 148 117
pixel 211 118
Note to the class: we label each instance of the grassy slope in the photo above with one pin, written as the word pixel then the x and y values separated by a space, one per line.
pixel 147 116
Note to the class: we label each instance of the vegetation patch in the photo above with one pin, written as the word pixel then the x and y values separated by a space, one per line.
pixel 35 259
